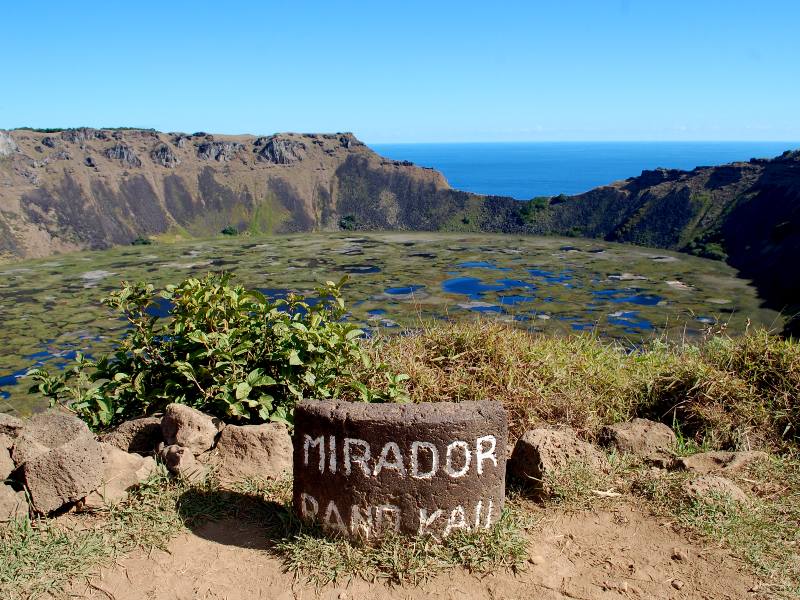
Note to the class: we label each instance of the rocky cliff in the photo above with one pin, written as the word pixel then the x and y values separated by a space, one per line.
pixel 746 213
pixel 92 188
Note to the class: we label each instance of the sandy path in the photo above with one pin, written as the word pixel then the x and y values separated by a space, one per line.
pixel 610 554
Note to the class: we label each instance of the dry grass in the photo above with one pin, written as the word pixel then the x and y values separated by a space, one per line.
pixel 723 392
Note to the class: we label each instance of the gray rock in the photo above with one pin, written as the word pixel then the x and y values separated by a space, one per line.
pixel 50 142
pixel 137 435
pixel 164 156
pixel 13 504
pixel 6 464
pixel 253 451
pixel 181 462
pixel 707 487
pixel 190 428
pixel 7 144
pixel 121 472
pixel 718 461
pixel 640 437
pixel 9 425
pixel 540 453
pixel 80 135
pixel 219 151
pixel 124 154
pixel 47 430
pixel 282 151
pixel 60 155
pixel 89 162
pixel 64 475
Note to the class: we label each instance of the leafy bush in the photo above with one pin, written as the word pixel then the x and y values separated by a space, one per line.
pixel 142 241
pixel 348 223
pixel 225 350
pixel 530 210
pixel 230 230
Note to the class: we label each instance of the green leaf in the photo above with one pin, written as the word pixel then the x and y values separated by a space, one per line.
pixel 294 358
pixel 243 390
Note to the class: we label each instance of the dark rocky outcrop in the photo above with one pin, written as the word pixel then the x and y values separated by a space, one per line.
pixel 282 151
pixel 164 156
pixel 124 154
pixel 219 151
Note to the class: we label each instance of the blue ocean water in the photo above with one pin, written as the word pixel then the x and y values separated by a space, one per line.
pixel 527 169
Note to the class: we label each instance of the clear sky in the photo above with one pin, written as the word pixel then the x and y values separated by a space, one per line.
pixel 409 71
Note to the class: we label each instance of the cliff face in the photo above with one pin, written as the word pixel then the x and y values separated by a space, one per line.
pixel 746 213
pixel 91 188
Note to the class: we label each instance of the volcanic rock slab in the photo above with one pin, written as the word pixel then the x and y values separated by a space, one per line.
pixel 363 470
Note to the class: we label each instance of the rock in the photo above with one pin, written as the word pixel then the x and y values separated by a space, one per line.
pixel 124 154
pixel 253 451
pixel 80 135
pixel 181 462
pixel 137 435
pixel 89 162
pixel 718 461
pixel 164 156
pixel 282 151
pixel 219 151
pixel 9 425
pixel 50 142
pixel 363 469
pixel 680 554
pixel 47 430
pixel 540 453
pixel 640 437
pixel 12 504
pixel 60 155
pixel 188 427
pixel 706 487
pixel 6 463
pixel 121 471
pixel 64 474
pixel 7 144
pixel 677 584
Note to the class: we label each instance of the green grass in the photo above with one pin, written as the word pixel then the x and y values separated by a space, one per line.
pixel 764 532
pixel 39 557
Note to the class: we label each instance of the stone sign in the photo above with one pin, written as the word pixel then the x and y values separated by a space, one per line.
pixel 365 469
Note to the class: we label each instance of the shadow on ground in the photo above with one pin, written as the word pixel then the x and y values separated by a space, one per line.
pixel 237 519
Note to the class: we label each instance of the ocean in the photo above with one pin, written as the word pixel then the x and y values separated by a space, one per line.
pixel 524 170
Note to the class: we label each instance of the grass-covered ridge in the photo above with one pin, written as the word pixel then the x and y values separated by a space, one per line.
pixel 724 392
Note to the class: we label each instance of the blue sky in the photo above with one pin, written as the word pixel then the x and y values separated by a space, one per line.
pixel 410 71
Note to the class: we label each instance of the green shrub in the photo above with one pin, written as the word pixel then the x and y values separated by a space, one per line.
pixel 230 230
pixel 348 223
pixel 142 241
pixel 225 350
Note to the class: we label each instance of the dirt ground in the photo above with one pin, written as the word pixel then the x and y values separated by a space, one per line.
pixel 616 553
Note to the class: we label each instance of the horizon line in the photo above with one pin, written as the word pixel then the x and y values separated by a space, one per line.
pixel 578 141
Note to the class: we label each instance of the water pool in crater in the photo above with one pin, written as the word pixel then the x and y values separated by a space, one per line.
pixel 50 308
